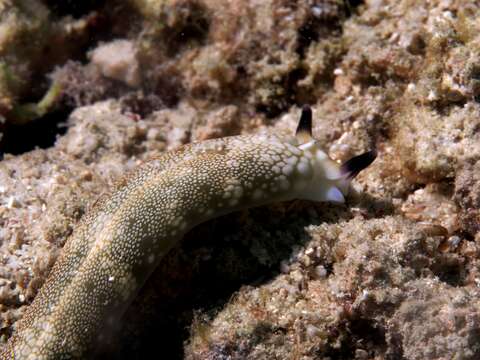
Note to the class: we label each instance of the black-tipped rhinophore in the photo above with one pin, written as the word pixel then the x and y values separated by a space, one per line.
pixel 304 128
pixel 352 167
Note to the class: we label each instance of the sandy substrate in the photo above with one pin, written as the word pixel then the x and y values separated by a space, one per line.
pixel 393 274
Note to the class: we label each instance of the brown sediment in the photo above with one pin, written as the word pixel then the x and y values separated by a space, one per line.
pixel 362 281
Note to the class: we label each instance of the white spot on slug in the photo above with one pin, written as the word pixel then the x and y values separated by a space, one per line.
pixel 287 170
pixel 303 168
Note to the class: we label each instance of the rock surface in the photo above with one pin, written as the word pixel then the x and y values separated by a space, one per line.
pixel 394 274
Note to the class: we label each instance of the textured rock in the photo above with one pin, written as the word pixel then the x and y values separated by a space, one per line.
pixel 395 274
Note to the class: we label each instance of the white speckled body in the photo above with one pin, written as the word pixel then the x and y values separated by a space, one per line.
pixel 121 240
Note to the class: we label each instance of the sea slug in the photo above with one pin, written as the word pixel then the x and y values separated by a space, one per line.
pixel 121 240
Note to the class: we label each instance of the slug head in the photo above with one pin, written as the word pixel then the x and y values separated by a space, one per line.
pixel 330 180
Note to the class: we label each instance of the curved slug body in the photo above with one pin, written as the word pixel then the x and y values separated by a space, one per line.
pixel 119 243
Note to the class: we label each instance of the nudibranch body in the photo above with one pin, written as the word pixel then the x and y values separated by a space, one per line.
pixel 121 240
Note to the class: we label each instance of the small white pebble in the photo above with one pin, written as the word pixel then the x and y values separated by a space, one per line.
pixel 317 11
pixel 447 14
pixel 297 276
pixel 338 72
pixel 312 331
pixel 284 267
pixel 309 251
pixel 394 37
pixel 432 95
pixel 365 295
pixel 12 202
pixel 454 241
pixel 153 134
pixel 321 272
pixel 306 261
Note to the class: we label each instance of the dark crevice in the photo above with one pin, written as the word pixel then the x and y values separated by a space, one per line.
pixel 75 8
pixel 40 133
pixel 351 6
pixel 290 96
pixel 316 28
pixel 188 26
pixel 468 236
pixel 141 104
pixel 474 76
pixel 328 268
pixel 366 331
pixel 453 275
pixel 446 106
pixel 363 335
